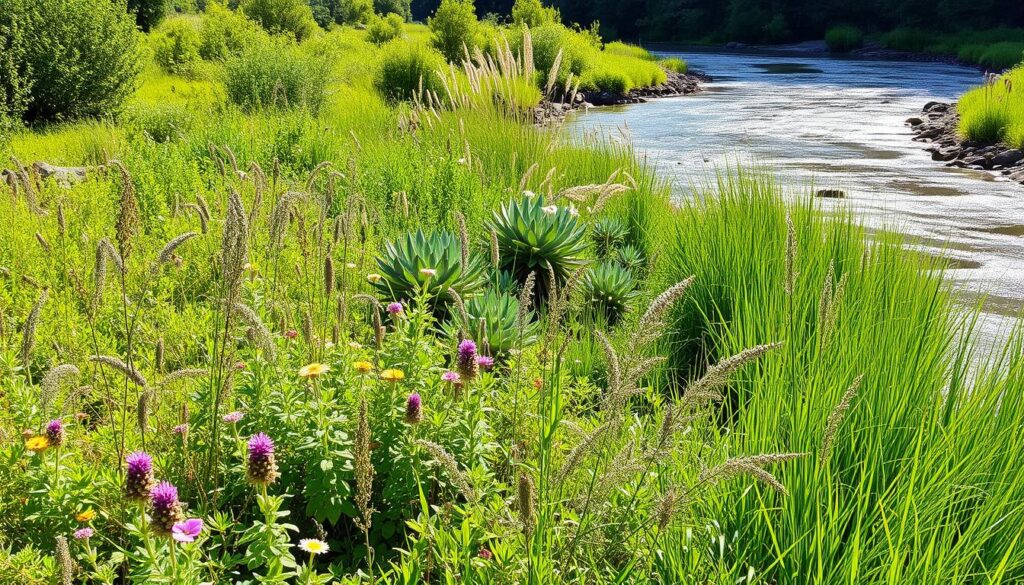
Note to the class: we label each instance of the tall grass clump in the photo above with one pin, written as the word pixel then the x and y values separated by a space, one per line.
pixel 176 43
pixel 843 39
pixel 674 64
pixel 407 69
pixel 277 74
pixel 995 111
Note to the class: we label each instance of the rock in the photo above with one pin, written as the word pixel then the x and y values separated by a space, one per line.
pixel 935 107
pixel 1017 176
pixel 944 154
pixel 1008 157
pixel 830 193
pixel 914 121
pixel 977 161
pixel 65 176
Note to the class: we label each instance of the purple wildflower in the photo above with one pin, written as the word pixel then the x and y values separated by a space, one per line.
pixel 262 468
pixel 83 533
pixel 165 508
pixel 452 377
pixel 139 479
pixel 180 429
pixel 395 308
pixel 55 432
pixel 465 359
pixel 414 409
pixel 486 362
pixel 485 554
pixel 233 417
pixel 188 530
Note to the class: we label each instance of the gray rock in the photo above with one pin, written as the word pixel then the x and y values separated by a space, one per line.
pixel 1008 157
pixel 935 107
pixel 914 121
pixel 65 176
pixel 830 193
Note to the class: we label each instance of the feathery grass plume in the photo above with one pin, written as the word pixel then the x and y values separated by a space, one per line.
pixel 495 254
pixel 259 330
pixel 215 155
pixel 404 200
pixel 62 222
pixel 652 322
pixel 204 209
pixel 363 469
pixel 204 223
pixel 666 508
pixel 525 301
pixel 26 185
pixel 142 411
pixel 65 563
pixel 790 256
pixel 717 375
pixel 828 319
pixel 451 467
pixel 115 362
pixel 751 465
pixel 128 218
pixel 525 501
pixel 463 238
pixel 167 252
pixel 42 242
pixel 328 275
pixel 158 356
pixel 526 176
pixel 378 328
pixel 836 419
pixel 279 217
pixel 183 374
pixel 307 328
pixel 315 173
pixel 614 396
pixel 233 161
pixel 826 292
pixel 460 309
pixel 586 446
pixel 50 386
pixel 28 338
pixel 234 244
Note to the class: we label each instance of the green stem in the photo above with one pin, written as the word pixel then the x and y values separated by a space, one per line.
pixel 174 560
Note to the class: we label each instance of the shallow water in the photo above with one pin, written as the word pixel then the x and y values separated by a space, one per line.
pixel 838 123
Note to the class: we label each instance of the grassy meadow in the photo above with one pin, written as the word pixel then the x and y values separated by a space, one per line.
pixel 338 311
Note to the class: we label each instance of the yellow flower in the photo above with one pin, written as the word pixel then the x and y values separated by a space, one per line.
pixel 363 367
pixel 313 370
pixel 392 375
pixel 37 444
pixel 374 278
pixel 85 516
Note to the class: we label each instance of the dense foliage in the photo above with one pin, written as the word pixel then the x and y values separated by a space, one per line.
pixel 994 112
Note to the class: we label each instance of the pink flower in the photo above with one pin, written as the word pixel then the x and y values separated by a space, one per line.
pixel 83 533
pixel 233 417
pixel 452 377
pixel 291 334
pixel 486 362
pixel 188 530
pixel 395 308
pixel 485 554
pixel 180 429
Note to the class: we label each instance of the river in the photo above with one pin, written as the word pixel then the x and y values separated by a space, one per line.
pixel 819 122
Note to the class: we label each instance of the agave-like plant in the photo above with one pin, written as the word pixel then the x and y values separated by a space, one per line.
pixel 434 262
pixel 494 323
pixel 504 282
pixel 533 237
pixel 631 258
pixel 607 290
pixel 608 233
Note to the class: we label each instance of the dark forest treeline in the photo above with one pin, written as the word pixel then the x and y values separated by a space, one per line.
pixel 764 21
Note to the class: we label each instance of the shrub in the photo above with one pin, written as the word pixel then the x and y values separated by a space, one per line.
pixel 403 262
pixel 402 8
pixel 578 55
pixel 356 11
pixel 406 69
pixel 843 39
pixel 384 29
pixel 908 39
pixel 161 122
pixel 293 17
pixel 607 289
pixel 225 33
pixel 77 58
pixel 631 258
pixel 454 26
pixel 606 80
pixel 176 46
pixel 674 64
pixel 276 73
pixel 14 80
pixel 1002 55
pixel 533 14
pixel 148 13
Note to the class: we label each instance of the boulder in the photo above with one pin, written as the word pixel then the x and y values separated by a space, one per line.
pixel 915 121
pixel 935 107
pixel 830 193
pixel 944 154
pixel 65 176
pixel 1008 157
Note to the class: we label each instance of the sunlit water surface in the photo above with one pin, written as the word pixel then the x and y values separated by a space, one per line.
pixel 834 123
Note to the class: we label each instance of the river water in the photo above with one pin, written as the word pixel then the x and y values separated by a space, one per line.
pixel 818 122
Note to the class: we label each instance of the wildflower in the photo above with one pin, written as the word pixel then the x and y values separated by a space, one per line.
pixel 239 365
pixel 465 359
pixel 452 377
pixel 83 533
pixel 233 417
pixel 355 345
pixel 573 211
pixel 314 546
pixel 291 334
pixel 392 375
pixel 485 554
pixel 395 308
pixel 262 469
pixel 165 508
pixel 538 383
pixel 413 409
pixel 37 444
pixel 85 515
pixel 139 480
pixel 374 278
pixel 350 265
pixel 485 361
pixel 55 432
pixel 81 417
pixel 428 272
pixel 363 367
pixel 529 194
pixel 313 370
pixel 181 429
pixel 549 209
pixel 188 530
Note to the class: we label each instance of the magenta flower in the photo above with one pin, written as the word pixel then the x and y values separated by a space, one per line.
pixel 485 361
pixel 139 478
pixel 180 429
pixel 414 409
pixel 261 468
pixel 452 377
pixel 55 432
pixel 395 308
pixel 291 334
pixel 188 530
pixel 465 359
pixel 165 508
pixel 233 417
pixel 83 533
pixel 485 554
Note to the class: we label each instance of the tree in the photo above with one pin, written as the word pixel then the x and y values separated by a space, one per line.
pixel 148 13
pixel 400 7
pixel 454 26
pixel 533 14
pixel 293 17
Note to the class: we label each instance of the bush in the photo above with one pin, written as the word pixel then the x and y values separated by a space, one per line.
pixel 75 58
pixel 14 80
pixel 176 46
pixel 908 39
pixel 381 30
pixel 148 13
pixel 533 14
pixel 843 39
pixel 454 26
pixel 278 74
pixel 292 17
pixel 674 64
pixel 1002 55
pixel 627 50
pixel 577 53
pixel 406 69
pixel 995 111
pixel 607 81
pixel 161 122
pixel 402 8
pixel 225 33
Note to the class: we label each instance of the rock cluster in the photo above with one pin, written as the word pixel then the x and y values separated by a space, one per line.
pixel 937 125
pixel 676 84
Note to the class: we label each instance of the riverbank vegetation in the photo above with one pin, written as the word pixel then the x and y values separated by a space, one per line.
pixel 338 311
pixel 994 112
pixel 995 49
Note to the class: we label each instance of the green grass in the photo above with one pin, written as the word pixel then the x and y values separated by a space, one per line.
pixel 995 111
pixel 674 64
pixel 843 39
pixel 995 49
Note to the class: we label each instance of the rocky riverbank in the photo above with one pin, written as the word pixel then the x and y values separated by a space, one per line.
pixel 937 125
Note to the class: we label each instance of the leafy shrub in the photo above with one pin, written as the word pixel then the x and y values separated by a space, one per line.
pixel 402 8
pixel 148 13
pixel 293 17
pixel 225 33
pixel 674 64
pixel 533 14
pixel 494 321
pixel 534 237
pixel 403 262
pixel 454 26
pixel 627 50
pixel 161 122
pixel 176 46
pixel 607 290
pixel 384 29
pixel 606 80
pixel 78 58
pixel 843 39
pixel 14 79
pixel 577 53
pixel 406 69
pixel 276 73
pixel 908 39
pixel 608 233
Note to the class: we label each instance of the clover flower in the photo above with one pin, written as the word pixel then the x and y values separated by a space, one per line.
pixel 261 468
pixel 451 377
pixel 188 530
pixel 55 432
pixel 83 533
pixel 395 308
pixel 181 429
pixel 485 554
pixel 465 359
pixel 139 480
pixel 233 417
pixel 414 409
pixel 165 508
pixel 486 362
